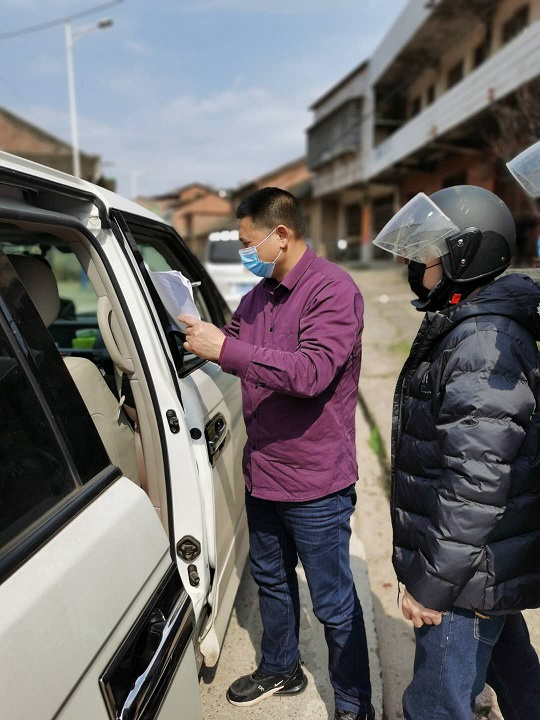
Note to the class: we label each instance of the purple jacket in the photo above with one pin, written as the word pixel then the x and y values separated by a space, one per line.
pixel 297 348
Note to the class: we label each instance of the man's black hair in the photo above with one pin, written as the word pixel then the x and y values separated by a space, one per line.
pixel 272 206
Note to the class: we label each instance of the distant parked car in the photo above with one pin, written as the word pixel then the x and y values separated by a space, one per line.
pixel 225 268
pixel 123 533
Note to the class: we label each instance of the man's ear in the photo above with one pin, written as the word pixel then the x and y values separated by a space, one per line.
pixel 284 234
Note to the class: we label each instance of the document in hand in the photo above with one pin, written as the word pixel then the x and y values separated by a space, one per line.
pixel 176 294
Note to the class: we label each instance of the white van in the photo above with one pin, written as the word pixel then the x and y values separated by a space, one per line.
pixel 225 268
pixel 122 525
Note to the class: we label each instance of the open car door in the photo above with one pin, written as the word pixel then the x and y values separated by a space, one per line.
pixel 95 622
pixel 212 411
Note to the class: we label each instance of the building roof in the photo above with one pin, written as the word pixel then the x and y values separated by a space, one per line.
pixel 275 171
pixel 333 90
pixel 57 156
pixel 176 192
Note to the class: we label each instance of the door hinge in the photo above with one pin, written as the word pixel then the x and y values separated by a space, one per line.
pixel 174 423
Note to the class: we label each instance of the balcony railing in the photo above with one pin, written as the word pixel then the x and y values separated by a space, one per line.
pixel 336 135
pixel 512 66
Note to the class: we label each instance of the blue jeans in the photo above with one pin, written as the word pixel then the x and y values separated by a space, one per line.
pixel 318 532
pixel 455 659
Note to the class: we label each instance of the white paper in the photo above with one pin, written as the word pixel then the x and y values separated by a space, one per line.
pixel 176 295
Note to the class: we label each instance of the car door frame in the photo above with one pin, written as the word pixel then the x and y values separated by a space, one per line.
pixel 180 254
pixel 69 512
pixel 95 236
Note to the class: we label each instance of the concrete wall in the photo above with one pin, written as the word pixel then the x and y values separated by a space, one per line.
pixel 465 48
pixel 413 15
pixel 514 65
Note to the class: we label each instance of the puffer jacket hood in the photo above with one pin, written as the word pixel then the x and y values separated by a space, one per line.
pixel 466 453
pixel 515 296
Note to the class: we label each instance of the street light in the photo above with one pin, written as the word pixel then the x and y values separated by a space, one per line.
pixel 72 35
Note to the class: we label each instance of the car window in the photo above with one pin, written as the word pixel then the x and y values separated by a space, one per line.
pixel 77 297
pixel 162 249
pixel 52 377
pixel 49 446
pixel 159 260
pixel 34 474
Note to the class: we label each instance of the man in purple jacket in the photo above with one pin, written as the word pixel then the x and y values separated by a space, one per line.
pixel 295 343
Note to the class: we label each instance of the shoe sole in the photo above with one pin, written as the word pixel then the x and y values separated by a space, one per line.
pixel 297 690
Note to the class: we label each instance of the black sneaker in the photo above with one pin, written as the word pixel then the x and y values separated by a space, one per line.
pixel 347 715
pixel 251 689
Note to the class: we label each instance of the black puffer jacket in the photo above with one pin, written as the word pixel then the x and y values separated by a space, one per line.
pixel 466 454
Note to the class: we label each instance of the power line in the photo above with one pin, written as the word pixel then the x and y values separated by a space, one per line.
pixel 58 21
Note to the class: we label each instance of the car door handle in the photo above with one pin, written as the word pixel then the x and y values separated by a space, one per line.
pixel 216 432
pixel 148 682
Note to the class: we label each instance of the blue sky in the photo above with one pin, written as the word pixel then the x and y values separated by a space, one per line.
pixel 214 91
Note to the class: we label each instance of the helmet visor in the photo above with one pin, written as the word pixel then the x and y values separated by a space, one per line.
pixel 417 232
pixel 525 167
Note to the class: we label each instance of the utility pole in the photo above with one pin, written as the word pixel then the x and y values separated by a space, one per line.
pixel 71 38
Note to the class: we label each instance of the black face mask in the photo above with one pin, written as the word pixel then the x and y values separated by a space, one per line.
pixel 415 276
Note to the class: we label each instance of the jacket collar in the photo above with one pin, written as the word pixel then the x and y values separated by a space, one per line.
pixel 292 278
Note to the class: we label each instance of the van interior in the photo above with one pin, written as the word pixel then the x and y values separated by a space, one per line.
pixel 69 286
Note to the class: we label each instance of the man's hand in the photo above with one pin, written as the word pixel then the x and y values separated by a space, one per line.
pixel 202 339
pixel 420 615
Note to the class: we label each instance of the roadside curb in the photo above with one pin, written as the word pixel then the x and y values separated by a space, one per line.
pixel 382 457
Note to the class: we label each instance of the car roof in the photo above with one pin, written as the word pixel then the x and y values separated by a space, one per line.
pixel 110 199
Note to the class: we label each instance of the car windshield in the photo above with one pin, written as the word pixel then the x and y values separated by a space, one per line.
pixel 224 251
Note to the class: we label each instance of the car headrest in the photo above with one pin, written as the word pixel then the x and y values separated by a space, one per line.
pixel 40 284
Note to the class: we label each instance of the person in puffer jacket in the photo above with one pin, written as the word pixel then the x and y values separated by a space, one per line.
pixel 466 458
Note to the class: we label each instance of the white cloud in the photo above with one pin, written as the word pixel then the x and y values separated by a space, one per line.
pixel 136 46
pixel 220 140
pixel 48 65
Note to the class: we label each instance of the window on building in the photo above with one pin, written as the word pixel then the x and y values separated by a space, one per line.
pixel 517 23
pixel 481 53
pixel 455 74
pixel 336 135
pixel 416 106
pixel 430 98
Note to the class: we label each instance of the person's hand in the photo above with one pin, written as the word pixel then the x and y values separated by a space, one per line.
pixel 202 339
pixel 420 615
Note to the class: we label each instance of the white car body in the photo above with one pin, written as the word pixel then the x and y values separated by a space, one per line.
pixel 224 266
pixel 104 568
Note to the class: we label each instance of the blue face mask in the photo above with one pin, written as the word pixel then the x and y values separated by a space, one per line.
pixel 251 260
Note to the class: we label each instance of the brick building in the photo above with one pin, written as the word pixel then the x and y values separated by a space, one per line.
pixel 294 176
pixel 19 137
pixel 193 210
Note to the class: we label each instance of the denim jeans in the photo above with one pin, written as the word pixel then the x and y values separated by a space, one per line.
pixel 454 659
pixel 318 532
